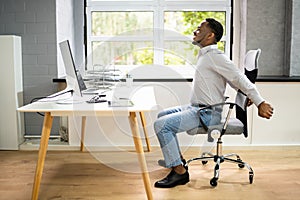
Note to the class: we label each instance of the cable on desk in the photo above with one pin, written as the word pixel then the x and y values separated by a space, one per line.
pixel 49 97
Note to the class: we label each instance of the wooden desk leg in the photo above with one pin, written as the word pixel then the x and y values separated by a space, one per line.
pixel 83 122
pixel 140 152
pixel 145 131
pixel 48 119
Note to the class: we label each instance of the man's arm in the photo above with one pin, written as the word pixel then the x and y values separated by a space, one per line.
pixel 233 75
pixel 238 80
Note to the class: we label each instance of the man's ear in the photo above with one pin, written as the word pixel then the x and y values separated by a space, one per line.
pixel 211 36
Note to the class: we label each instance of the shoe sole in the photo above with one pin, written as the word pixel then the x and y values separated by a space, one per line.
pixel 182 182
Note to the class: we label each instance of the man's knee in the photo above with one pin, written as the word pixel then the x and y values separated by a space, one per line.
pixel 158 125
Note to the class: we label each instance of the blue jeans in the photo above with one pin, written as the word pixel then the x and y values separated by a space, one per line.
pixel 179 119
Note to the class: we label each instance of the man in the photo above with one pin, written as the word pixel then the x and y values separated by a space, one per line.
pixel 213 71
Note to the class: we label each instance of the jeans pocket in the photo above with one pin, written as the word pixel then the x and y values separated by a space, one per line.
pixel 210 117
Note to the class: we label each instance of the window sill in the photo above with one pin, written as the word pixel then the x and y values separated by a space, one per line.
pixel 259 79
pixel 278 79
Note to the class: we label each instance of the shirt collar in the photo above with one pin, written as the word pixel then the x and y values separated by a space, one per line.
pixel 206 49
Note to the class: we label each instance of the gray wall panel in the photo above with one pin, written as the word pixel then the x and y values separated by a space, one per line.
pixel 266 30
pixel 295 44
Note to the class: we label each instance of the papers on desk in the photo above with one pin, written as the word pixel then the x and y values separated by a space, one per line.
pixel 120 103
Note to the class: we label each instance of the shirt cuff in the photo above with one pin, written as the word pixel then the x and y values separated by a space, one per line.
pixel 257 100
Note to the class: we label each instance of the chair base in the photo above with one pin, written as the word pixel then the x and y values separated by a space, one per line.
pixel 218 159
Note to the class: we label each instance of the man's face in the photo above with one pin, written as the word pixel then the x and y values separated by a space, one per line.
pixel 201 34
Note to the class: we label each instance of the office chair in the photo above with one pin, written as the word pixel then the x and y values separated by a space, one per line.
pixel 229 125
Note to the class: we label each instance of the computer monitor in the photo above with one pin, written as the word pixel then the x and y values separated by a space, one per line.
pixel 71 71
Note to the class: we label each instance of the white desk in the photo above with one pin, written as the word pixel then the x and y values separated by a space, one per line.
pixel 144 101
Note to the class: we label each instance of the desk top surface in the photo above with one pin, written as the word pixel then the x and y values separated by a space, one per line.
pixel 143 99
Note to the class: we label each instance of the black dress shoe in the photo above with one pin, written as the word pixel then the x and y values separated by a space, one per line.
pixel 163 163
pixel 173 179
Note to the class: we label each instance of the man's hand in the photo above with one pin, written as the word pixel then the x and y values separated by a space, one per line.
pixel 265 110
pixel 249 102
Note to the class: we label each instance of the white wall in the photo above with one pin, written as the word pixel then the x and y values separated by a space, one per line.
pixel 105 131
pixel 69 26
pixel 282 129
pixel 64 30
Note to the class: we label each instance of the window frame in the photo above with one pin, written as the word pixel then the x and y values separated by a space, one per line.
pixel 158 7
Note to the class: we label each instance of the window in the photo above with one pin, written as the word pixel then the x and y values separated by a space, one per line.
pixel 124 38
pixel 149 32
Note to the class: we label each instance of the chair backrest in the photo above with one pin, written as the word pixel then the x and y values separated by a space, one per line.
pixel 251 59
pixel 251 70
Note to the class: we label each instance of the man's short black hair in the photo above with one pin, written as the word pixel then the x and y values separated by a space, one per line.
pixel 216 27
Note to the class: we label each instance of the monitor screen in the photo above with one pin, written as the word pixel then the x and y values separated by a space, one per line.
pixel 71 71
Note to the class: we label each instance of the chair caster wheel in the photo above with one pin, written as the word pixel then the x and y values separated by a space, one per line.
pixel 214 182
pixel 204 162
pixel 251 178
pixel 241 166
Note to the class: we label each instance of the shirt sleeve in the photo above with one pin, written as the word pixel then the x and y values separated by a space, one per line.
pixel 236 78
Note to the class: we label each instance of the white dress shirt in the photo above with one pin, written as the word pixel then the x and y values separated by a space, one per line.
pixel 213 70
